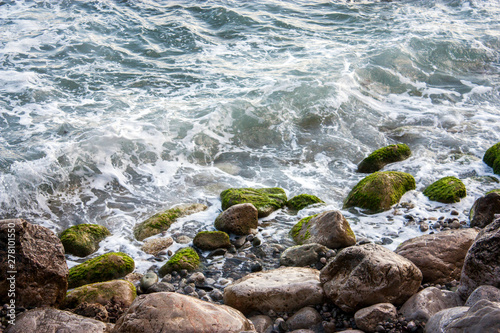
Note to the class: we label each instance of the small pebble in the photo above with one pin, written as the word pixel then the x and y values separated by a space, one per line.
pixel 323 260
pixel 454 212
pixel 256 241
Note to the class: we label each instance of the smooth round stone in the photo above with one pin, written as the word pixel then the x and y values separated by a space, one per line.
pixel 148 280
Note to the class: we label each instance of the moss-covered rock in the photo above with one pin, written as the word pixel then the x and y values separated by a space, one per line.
pixel 383 156
pixel 300 231
pixel 446 190
pixel 301 201
pixel 493 191
pixel 106 267
pixel 119 291
pixel 380 190
pixel 162 221
pixel 266 200
pixel 492 158
pixel 211 240
pixel 83 239
pixel 186 258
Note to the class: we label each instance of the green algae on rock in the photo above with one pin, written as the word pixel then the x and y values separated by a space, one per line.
pixel 300 231
pixel 383 156
pixel 83 239
pixel 266 200
pixel 106 267
pixel 446 190
pixel 162 221
pixel 186 258
pixel 492 158
pixel 380 190
pixel 301 201
pixel 121 291
pixel 211 240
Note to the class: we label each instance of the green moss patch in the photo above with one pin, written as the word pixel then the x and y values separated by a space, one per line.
pixel 301 201
pixel 186 258
pixel 300 231
pixel 380 190
pixel 383 156
pixel 493 191
pixel 492 158
pixel 162 221
pixel 446 190
pixel 211 240
pixel 106 267
pixel 83 239
pixel 266 200
pixel 102 293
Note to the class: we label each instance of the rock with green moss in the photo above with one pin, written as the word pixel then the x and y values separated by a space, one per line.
pixel 117 291
pixel 106 267
pixel 383 156
pixel 211 240
pixel 494 191
pixel 83 239
pixel 492 158
pixel 266 200
pixel 446 190
pixel 380 190
pixel 301 201
pixel 162 221
pixel 186 258
pixel 330 229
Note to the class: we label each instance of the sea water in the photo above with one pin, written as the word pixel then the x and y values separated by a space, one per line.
pixel 111 111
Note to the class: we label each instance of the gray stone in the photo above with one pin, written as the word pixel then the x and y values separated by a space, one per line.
pixel 484 209
pixel 261 322
pixel 148 280
pixel 302 255
pixel 240 219
pixel 368 318
pixel 482 317
pixel 284 289
pixel 361 276
pixel 428 302
pixel 443 318
pixel 160 287
pixel 489 293
pixel 305 318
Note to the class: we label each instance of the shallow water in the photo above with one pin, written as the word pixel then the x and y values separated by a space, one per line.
pixel 111 111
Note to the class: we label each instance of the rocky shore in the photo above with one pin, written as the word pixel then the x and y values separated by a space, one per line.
pixel 228 280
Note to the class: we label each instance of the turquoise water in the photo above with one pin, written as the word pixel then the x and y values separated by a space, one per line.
pixel 113 110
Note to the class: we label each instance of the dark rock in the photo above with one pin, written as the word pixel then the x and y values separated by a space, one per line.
pixel 240 219
pixel 484 209
pixel 83 239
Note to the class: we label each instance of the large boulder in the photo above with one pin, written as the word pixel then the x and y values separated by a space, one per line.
pixel 118 291
pixel 50 320
pixel 330 229
pixel 239 219
pixel 492 158
pixel 266 200
pixel 482 317
pixel 380 190
pixel 32 265
pixel 482 266
pixel 439 256
pixel 162 221
pixel 428 302
pixel 302 255
pixel 446 190
pixel 186 258
pixel 361 276
pixel 211 240
pixel 368 318
pixel 83 239
pixel 383 156
pixel 284 289
pixel 484 209
pixel 167 312
pixel 106 267
pixel 489 293
pixel 301 201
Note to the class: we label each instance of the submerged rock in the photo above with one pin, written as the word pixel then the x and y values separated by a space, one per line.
pixel 380 190
pixel 492 158
pixel 162 221
pixel 32 258
pixel 83 239
pixel 239 219
pixel 106 267
pixel 439 256
pixel 284 289
pixel 383 156
pixel 167 312
pixel 266 200
pixel 301 201
pixel 302 255
pixel 119 291
pixel 186 258
pixel 211 240
pixel 330 229
pixel 361 276
pixel 484 209
pixel 446 190
pixel 428 302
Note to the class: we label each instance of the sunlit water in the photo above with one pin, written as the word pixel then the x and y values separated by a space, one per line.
pixel 111 111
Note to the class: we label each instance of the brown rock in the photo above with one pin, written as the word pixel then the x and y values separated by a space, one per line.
pixel 305 318
pixel 119 291
pixel 283 289
pixel 302 255
pixel 368 318
pixel 482 266
pixel 38 258
pixel 360 276
pixel 239 219
pixel 439 256
pixel 261 322
pixel 484 209
pixel 489 293
pixel 156 245
pixel 428 302
pixel 167 312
